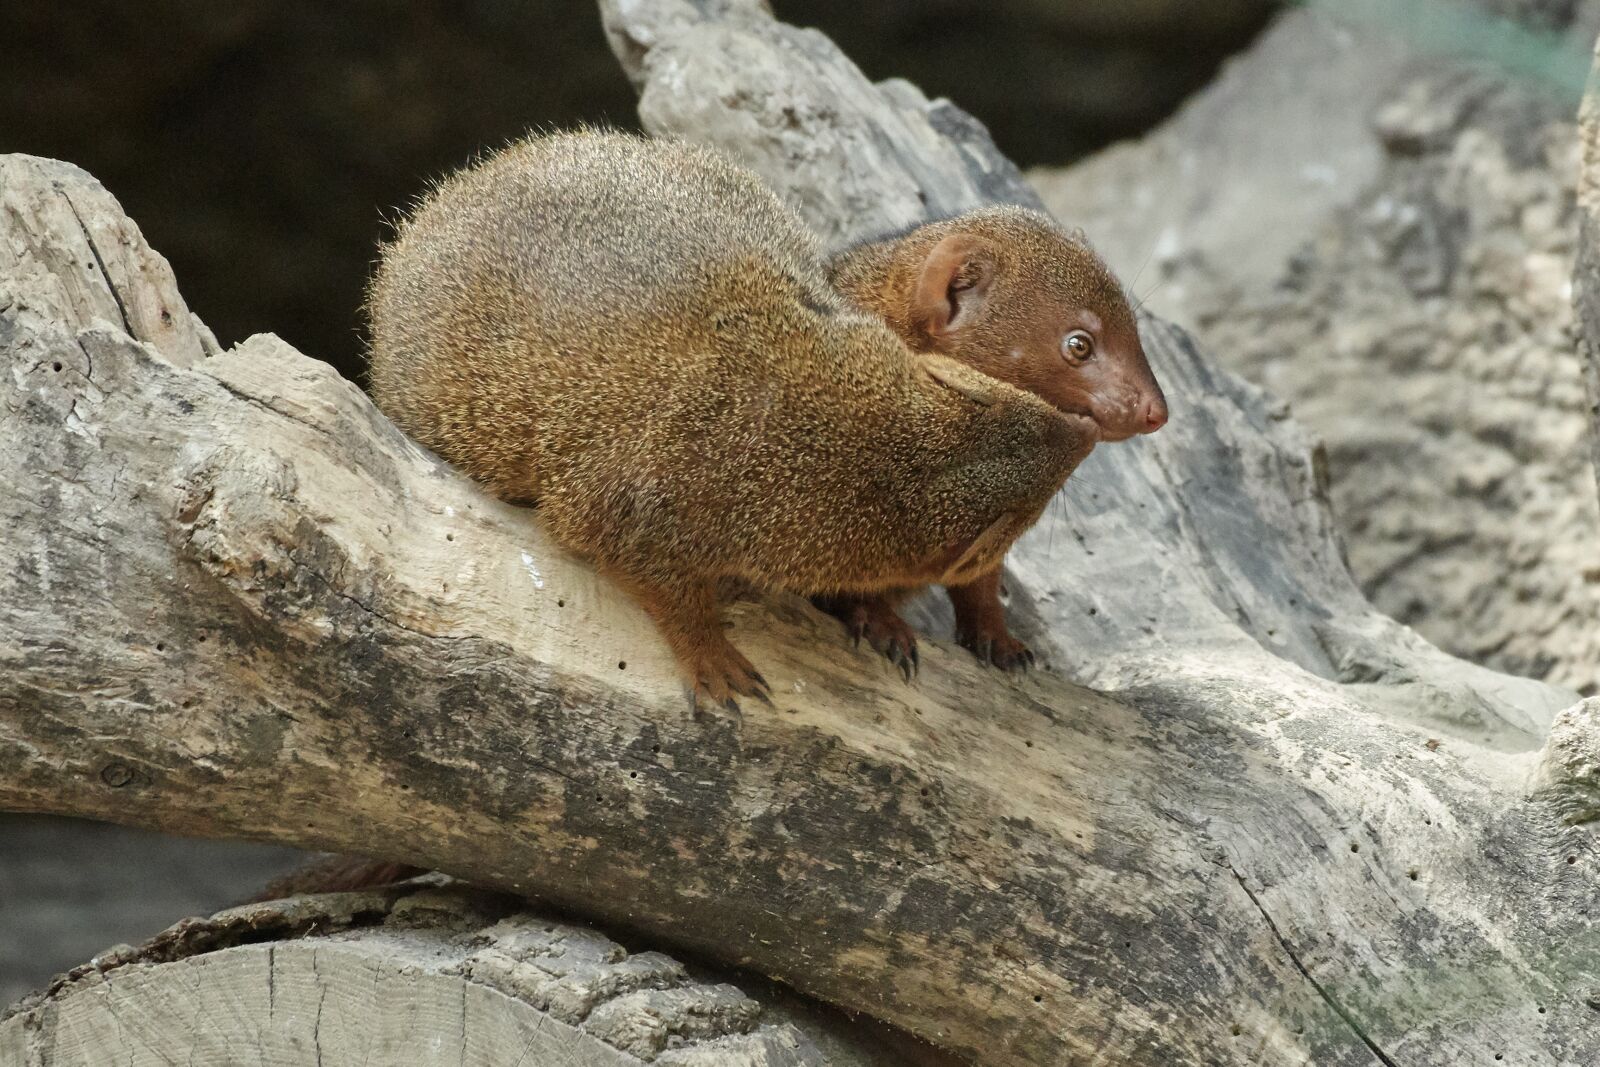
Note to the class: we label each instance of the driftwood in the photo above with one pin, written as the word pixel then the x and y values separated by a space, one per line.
pixel 235 601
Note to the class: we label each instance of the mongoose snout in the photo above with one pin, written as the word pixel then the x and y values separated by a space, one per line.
pixel 640 337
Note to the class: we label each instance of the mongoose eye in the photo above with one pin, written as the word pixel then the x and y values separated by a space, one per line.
pixel 1078 346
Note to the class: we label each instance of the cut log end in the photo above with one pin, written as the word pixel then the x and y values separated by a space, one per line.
pixel 422 974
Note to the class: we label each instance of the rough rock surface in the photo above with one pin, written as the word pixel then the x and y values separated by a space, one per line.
pixel 1427 335
pixel 1422 328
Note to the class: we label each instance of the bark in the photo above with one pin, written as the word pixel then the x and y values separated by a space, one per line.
pixel 422 974
pixel 235 601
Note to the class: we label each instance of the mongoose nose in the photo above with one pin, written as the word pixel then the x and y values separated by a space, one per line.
pixel 1155 414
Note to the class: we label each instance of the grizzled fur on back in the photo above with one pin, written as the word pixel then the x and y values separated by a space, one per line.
pixel 636 336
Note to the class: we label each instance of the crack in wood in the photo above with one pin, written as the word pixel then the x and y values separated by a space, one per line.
pixel 94 250
pixel 1294 958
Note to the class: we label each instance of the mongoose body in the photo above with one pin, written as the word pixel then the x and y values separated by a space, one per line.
pixel 639 339
pixel 1008 292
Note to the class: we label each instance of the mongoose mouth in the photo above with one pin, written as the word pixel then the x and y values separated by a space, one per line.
pixel 1086 424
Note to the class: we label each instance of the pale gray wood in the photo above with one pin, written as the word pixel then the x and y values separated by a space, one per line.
pixel 78 259
pixel 418 975
pixel 235 601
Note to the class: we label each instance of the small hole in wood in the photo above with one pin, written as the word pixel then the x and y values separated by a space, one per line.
pixel 56 367
pixel 1094 611
pixel 598 799
pixel 1028 743
pixel 1038 999
pixel 1355 847
pixel 633 774
pixel 1541 1011
pixel 924 790
pixel 1572 859
pixel 1412 874
pixel 561 603
pixel 622 664
pixel 161 646
pixel 1499 1055
pixel 655 748
pixel 449 537
pixel 1236 1029
pixel 201 639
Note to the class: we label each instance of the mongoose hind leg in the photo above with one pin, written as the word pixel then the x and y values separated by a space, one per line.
pixel 686 613
pixel 874 618
pixel 981 624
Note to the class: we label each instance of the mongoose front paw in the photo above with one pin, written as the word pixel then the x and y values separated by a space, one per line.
pixel 996 647
pixel 721 673
pixel 886 632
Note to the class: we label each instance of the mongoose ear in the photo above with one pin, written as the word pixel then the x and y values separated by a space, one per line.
pixel 976 387
pixel 953 285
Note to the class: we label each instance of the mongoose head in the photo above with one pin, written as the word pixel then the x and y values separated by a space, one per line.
pixel 1007 291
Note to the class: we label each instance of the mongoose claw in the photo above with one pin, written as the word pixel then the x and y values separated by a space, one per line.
pixel 876 620
pixel 902 657
pixel 721 675
pixel 998 650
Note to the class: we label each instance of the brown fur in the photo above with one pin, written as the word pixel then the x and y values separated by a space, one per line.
pixel 636 336
pixel 1039 283
pixel 999 289
pixel 335 874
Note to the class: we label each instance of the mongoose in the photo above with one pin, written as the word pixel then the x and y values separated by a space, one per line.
pixel 1007 291
pixel 638 338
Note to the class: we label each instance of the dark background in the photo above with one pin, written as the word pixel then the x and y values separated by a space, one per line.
pixel 260 143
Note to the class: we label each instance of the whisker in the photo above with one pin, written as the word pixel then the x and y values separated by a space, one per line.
pixel 1147 257
pixel 1152 291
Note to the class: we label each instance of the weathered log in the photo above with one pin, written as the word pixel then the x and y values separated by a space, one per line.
pixel 235 601
pixel 418 974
